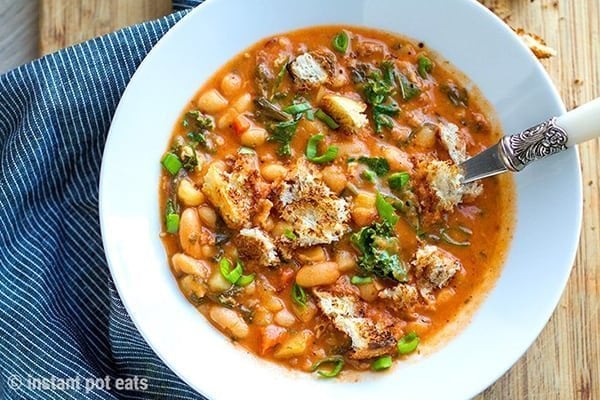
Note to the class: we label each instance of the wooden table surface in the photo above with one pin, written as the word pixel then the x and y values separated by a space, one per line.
pixel 564 362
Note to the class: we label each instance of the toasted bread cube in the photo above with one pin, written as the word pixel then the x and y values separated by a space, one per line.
pixel 347 312
pixel 256 245
pixel 350 114
pixel 306 70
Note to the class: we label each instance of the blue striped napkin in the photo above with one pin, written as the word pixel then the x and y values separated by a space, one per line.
pixel 64 333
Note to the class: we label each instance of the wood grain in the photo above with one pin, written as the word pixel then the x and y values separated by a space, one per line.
pixel 67 22
pixel 564 362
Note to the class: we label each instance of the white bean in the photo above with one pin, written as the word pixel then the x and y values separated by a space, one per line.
pixel 231 84
pixel 211 102
pixel 323 273
pixel 230 321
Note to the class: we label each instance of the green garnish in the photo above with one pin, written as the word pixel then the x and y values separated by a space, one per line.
pixel 311 150
pixel 297 108
pixel 369 175
pixel 398 180
pixel 236 275
pixel 245 280
pixel 379 165
pixel 171 163
pixel 196 120
pixel 199 124
pixel 189 157
pixel 330 122
pixel 379 85
pixel 340 42
pixel 283 133
pixel 232 275
pixel 290 234
pixel 360 280
pixel 408 89
pixel 171 217
pixel 279 77
pixel 424 66
pixel 379 247
pixel 310 115
pixel 382 363
pixel 408 343
pixel 386 211
pixel 338 364
pixel 298 295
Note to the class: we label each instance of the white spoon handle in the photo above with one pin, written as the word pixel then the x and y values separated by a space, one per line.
pixel 582 123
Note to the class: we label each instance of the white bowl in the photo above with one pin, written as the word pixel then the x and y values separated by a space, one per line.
pixel 462 31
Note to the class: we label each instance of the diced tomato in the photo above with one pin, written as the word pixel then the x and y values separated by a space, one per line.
pixel 286 275
pixel 270 336
pixel 241 124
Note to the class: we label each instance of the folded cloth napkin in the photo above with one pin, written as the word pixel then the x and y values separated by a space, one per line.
pixel 64 333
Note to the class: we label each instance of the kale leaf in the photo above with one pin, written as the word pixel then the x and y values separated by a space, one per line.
pixel 379 165
pixel 378 248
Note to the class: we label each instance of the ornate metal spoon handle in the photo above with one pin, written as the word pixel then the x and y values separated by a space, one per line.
pixel 532 144
pixel 515 152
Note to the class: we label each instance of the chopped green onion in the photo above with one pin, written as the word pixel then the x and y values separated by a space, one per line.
pixel 298 295
pixel 246 150
pixel 330 122
pixel 290 234
pixel 310 115
pixel 245 280
pixel 369 175
pixel 408 343
pixel 445 236
pixel 398 180
pixel 172 221
pixel 311 150
pixel 232 275
pixel 280 76
pixel 386 210
pixel 382 363
pixel 172 163
pixel 424 66
pixel 297 108
pixel 171 217
pixel 340 42
pixel 361 280
pixel 338 364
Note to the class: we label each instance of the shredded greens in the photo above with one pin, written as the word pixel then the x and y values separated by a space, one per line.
pixel 386 210
pixel 378 248
pixel 379 165
pixel 311 150
pixel 283 133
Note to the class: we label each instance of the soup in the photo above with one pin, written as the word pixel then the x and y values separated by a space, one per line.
pixel 313 205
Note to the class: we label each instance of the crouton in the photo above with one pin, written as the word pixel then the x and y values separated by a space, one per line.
pixel 234 193
pixel 254 244
pixel 315 213
pixel 307 72
pixel 348 314
pixel 403 295
pixel 350 114
pixel 434 268
pixel 445 181
pixel 536 44
pixel 454 143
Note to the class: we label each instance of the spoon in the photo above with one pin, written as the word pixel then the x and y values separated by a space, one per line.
pixel 515 152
